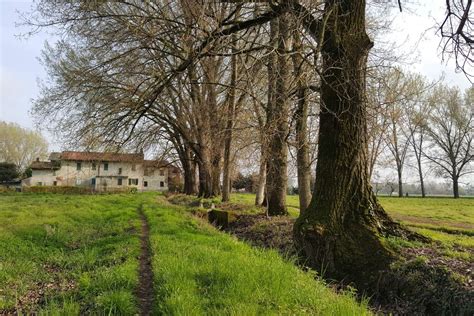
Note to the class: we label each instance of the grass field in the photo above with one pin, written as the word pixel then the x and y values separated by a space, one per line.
pixel 446 220
pixel 68 254
pixel 72 254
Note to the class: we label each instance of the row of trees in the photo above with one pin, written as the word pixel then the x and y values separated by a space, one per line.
pixel 429 122
pixel 214 79
pixel 20 146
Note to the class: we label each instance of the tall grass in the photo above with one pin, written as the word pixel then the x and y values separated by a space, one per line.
pixel 74 255
pixel 200 271
pixel 68 254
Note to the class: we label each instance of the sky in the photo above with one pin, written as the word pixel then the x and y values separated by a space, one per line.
pixel 20 68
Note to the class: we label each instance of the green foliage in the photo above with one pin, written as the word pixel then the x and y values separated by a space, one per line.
pixel 28 173
pixel 8 172
pixel 57 189
pixel 243 182
pixel 74 190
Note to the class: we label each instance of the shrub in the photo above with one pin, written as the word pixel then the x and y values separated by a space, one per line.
pixel 58 189
pixel 8 172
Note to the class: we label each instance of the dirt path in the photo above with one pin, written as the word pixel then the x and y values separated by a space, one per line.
pixel 145 291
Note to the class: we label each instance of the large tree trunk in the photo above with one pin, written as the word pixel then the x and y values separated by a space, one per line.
pixel 278 125
pixel 189 173
pixel 302 151
pixel 216 175
pixel 339 233
pixel 205 174
pixel 226 185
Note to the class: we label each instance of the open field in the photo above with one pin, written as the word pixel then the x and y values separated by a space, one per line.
pixel 446 220
pixel 76 254
pixel 72 254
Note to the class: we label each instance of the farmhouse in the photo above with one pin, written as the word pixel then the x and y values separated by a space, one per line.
pixel 103 171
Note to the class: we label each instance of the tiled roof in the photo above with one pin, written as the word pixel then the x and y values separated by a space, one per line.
pixel 43 165
pixel 96 156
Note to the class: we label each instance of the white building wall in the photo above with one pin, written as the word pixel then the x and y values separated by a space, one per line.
pixel 69 175
pixel 42 177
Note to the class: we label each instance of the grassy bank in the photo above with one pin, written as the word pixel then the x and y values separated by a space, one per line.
pixel 199 270
pixel 72 254
pixel 446 220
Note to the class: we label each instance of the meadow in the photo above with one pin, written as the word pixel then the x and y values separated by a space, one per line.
pixel 447 221
pixel 79 254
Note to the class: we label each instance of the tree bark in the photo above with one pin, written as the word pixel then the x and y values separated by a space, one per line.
pixel 189 173
pixel 418 149
pixel 340 232
pixel 278 125
pixel 456 187
pixel 301 115
pixel 205 174
pixel 262 179
pixel 422 182
pixel 226 185
pixel 400 181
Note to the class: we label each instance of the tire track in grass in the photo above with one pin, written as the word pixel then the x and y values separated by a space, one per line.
pixel 145 290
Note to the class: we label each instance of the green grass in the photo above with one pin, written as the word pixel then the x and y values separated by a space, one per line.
pixel 446 220
pixel 72 255
pixel 199 270
pixel 449 212
pixel 80 250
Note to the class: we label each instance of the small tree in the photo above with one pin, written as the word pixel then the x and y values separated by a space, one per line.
pixel 8 172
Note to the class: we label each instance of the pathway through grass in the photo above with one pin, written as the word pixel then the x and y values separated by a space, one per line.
pixel 76 255
pixel 145 291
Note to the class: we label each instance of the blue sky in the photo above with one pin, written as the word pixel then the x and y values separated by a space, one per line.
pixel 20 68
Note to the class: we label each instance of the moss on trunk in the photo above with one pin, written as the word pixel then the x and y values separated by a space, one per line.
pixel 339 234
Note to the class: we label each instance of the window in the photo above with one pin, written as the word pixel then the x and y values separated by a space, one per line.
pixel 94 166
pixel 120 171
pixel 106 166
pixel 145 183
pixel 78 166
pixel 39 183
pixel 55 183
pixel 134 167
pixel 162 172
pixel 93 181
pixel 119 181
pixel 132 181
pixel 162 184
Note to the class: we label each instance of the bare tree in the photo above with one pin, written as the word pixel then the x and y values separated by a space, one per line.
pixel 457 35
pixel 451 133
